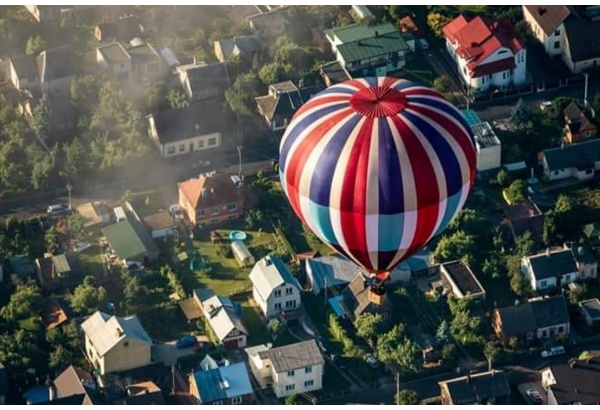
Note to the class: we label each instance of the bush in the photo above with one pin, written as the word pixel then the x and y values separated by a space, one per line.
pixel 225 251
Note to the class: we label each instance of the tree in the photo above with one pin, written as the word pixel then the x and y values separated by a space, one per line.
pixel 292 399
pixel 436 22
pixel 407 397
pixel 503 178
pixel 35 44
pixel 493 267
pixel 177 99
pixel 442 84
pixel 586 355
pixel 274 328
pixel 51 239
pixel 525 244
pixel 549 227
pixel 490 352
pixel 515 192
pixel 156 96
pixel 60 358
pixel 24 303
pixel 87 298
pixel 577 294
pixel 40 119
pixel 464 326
pixel 254 218
pixel 84 94
pixel 470 222
pixel 454 247
pixel 273 73
pixel 368 325
pixel 443 332
pixel 387 343
pixel 240 96
pixel 409 355
pixel 74 160
pixel 519 285
pixel 76 224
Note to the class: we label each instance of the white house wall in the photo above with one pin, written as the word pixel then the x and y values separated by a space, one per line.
pixel 272 311
pixel 489 158
pixel 280 380
pixel 547 41
pixel 195 145
pixel 262 304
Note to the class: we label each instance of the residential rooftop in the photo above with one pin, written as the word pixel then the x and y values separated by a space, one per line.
pixel 463 278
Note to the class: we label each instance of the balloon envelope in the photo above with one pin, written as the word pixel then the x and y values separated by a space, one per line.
pixel 376 167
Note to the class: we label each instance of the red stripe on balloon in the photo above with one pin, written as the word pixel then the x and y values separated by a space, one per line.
pixel 320 102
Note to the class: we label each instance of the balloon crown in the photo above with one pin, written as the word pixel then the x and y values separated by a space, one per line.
pixel 378 101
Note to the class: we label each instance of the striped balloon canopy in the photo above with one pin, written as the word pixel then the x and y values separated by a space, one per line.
pixel 376 167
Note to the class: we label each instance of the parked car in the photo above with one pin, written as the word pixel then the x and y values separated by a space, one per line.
pixel 534 396
pixel 321 347
pixel 371 360
pixel 176 211
pixel 423 44
pixel 57 209
pixel 185 341
pixel 546 105
pixel 553 351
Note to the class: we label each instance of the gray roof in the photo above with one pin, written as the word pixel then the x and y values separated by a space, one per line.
pixel 463 278
pixel 220 312
pixel 478 388
pixel 114 53
pixel 329 271
pixel 553 264
pixel 295 356
pixel 535 314
pixel 105 331
pixel 25 66
pixel 579 155
pixel 577 384
pixel 485 137
pixel 61 264
pixel 550 311
pixel 335 72
pixel 144 54
pixel 243 45
pixel 517 320
pixel 582 36
pixel 208 76
pixel 356 299
pixel 177 124
pixel 57 62
pixel 591 307
pixel 269 273
pixel 286 99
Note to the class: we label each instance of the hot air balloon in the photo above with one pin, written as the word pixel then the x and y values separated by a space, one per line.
pixel 376 167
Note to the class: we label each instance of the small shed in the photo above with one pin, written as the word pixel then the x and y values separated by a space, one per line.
pixel 242 254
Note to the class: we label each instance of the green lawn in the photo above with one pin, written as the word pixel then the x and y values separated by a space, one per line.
pixel 227 276
pixel 91 258
pixel 257 331
pixel 148 203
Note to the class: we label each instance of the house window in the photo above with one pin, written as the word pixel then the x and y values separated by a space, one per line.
pixel 234 332
pixel 277 293
pixel 218 403
pixel 309 383
pixel 567 278
pixel 201 144
pixel 231 207
pixel 212 141
pixel 126 344
pixel 543 284
pixel 556 44
pixel 504 75
pixel 483 80
pixel 588 133
pixel 290 387
pixel 201 213
pixel 557 32
pixel 544 333
pixel 278 306
pixel 236 400
pixel 290 304
pixel 181 147
pixel 289 291
pixel 170 150
pixel 291 373
pixel 556 172
pixel 308 369
pixel 215 211
pixel 561 330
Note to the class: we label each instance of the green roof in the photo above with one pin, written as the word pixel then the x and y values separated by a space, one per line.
pixel 129 239
pixel 355 32
pixel 581 155
pixel 373 47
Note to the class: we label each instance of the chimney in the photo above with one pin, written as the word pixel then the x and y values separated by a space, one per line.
pixel 195 60
pixel 203 193
pixel 118 332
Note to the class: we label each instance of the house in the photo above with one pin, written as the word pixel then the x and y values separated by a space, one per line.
pixel 281 103
pixel 359 298
pixel 326 272
pixel 559 267
pixel 76 382
pixel 24 72
pixel 3 384
pixel 575 382
pixel 292 369
pixel 243 46
pixel 578 161
pixel 489 147
pixel 272 24
pixel 525 216
pixel 123 29
pixel 538 319
pixel 487 54
pixel 116 59
pixel 407 24
pixel 201 81
pixel 179 131
pixel 148 65
pixel 547 26
pixel 210 199
pixel 578 126
pixel 52 269
pixel 224 318
pixel 365 50
pixel 461 280
pixel 115 344
pixel 274 288
pixel 160 224
pixel 130 242
pixel 581 49
pixel 143 394
pixel 590 310
pixel 334 73
pixel 94 214
pixel 44 12
pixel 223 385
pixel 480 388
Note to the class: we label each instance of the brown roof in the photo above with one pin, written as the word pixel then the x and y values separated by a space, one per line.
pixel 267 104
pixel 356 299
pixel 45 267
pixel 53 315
pixel 190 309
pixel 576 118
pixel 159 220
pixel 70 383
pixel 549 17
pixel 144 393
pixel 408 25
pixel 207 191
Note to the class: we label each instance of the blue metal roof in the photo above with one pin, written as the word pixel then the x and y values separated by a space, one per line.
pixel 471 117
pixel 223 382
pixel 38 394
pixel 336 304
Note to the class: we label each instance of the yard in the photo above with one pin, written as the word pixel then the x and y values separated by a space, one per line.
pixel 148 203
pixel 91 257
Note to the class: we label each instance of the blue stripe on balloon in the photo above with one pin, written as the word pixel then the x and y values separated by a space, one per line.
pixel 444 106
pixel 322 175
pixel 451 208
pixel 391 194
pixel 298 126
pixel 443 150
pixel 321 218
pixel 391 229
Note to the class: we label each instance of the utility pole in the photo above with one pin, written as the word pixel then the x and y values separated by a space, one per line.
pixel 69 187
pixel 397 388
pixel 585 90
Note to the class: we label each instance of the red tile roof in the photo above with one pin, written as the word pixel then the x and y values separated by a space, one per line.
pixel 477 40
pixel 495 67
pixel 218 190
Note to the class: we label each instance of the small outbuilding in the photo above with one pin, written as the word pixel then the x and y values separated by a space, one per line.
pixel 242 254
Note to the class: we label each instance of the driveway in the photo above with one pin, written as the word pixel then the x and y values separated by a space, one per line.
pixel 168 353
pixel 533 385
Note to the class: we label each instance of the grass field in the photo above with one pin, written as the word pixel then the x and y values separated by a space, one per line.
pixel 91 258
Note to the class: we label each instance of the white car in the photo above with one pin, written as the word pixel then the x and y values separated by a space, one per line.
pixel 553 351
pixel 176 211
pixel 534 396
pixel 546 105
pixel 371 360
